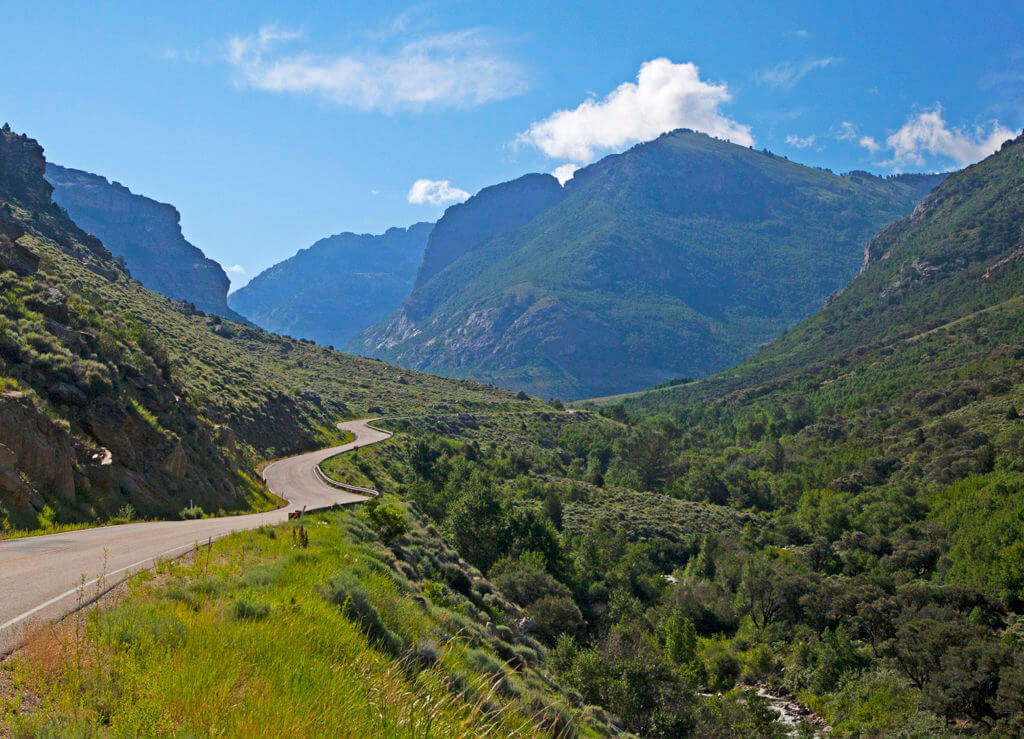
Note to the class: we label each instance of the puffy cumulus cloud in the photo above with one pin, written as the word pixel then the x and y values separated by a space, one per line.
pixel 235 269
pixel 664 97
pixel 456 70
pixel 565 172
pixel 801 142
pixel 435 192
pixel 927 133
pixel 787 74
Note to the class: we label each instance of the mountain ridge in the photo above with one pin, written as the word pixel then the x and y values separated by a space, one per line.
pixel 331 290
pixel 147 234
pixel 650 266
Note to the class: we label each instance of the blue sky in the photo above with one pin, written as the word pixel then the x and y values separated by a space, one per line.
pixel 270 125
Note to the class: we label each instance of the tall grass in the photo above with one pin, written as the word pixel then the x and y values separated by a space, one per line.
pixel 246 640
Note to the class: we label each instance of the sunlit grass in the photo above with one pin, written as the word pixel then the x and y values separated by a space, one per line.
pixel 244 640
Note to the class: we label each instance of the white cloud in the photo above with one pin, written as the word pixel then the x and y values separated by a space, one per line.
pixel 927 133
pixel 435 192
pixel 801 142
pixel 801 33
pixel 456 69
pixel 375 192
pixel 664 97
pixel 565 172
pixel 869 143
pixel 847 132
pixel 235 269
pixel 787 74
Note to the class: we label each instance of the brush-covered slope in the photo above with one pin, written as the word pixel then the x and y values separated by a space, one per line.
pixel 337 287
pixel 678 257
pixel 115 394
pixel 883 436
pixel 146 234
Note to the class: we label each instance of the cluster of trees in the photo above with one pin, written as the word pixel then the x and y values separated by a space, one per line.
pixel 847 586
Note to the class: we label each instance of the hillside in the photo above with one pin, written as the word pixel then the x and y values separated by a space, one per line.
pixel 337 287
pixel 146 234
pixel 884 437
pixel 676 258
pixel 113 394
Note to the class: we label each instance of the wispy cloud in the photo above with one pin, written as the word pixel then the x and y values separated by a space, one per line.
pixel 435 192
pixel 664 97
pixel 928 133
pixel 801 142
pixel 458 69
pixel 801 33
pixel 235 269
pixel 785 75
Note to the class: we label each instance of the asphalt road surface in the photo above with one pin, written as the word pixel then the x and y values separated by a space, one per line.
pixel 44 577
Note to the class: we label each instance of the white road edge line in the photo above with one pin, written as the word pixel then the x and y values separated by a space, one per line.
pixel 62 596
pixel 32 611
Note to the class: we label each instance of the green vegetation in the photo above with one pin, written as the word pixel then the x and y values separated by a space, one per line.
pixel 329 631
pixel 114 394
pixel 679 257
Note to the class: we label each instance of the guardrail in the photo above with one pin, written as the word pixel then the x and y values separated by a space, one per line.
pixel 322 476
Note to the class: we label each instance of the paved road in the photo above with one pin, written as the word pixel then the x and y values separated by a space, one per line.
pixel 41 576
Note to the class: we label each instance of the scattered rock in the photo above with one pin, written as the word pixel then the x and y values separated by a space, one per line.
pixel 69 394
pixel 311 395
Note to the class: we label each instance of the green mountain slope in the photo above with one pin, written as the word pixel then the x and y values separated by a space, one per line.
pixel 883 437
pixel 114 394
pixel 337 287
pixel 678 257
pixel 146 234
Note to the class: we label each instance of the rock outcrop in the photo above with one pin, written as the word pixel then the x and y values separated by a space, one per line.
pixel 146 234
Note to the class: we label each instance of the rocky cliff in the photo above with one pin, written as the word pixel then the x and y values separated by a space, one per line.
pixel 146 234
pixel 90 417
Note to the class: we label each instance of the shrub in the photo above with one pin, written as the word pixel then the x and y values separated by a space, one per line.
pixel 346 591
pixel 554 615
pixel 388 521
pixel 249 610
pixel 723 669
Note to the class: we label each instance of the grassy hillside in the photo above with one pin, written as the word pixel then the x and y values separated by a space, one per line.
pixel 677 258
pixel 340 627
pixel 114 395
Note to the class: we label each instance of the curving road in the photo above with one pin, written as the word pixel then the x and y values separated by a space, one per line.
pixel 41 577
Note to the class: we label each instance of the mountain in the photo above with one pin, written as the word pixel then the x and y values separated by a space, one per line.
pixel 896 405
pixel 111 394
pixel 676 258
pixel 146 234
pixel 493 211
pixel 337 287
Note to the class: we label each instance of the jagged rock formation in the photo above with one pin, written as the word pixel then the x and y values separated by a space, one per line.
pixel 89 417
pixel 337 287
pixel 676 258
pixel 146 234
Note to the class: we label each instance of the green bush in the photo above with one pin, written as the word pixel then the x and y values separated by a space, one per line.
pixel 345 590
pixel 249 610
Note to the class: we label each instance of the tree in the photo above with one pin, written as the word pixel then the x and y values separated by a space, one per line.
pixel 649 455
pixel 478 523
pixel 680 639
